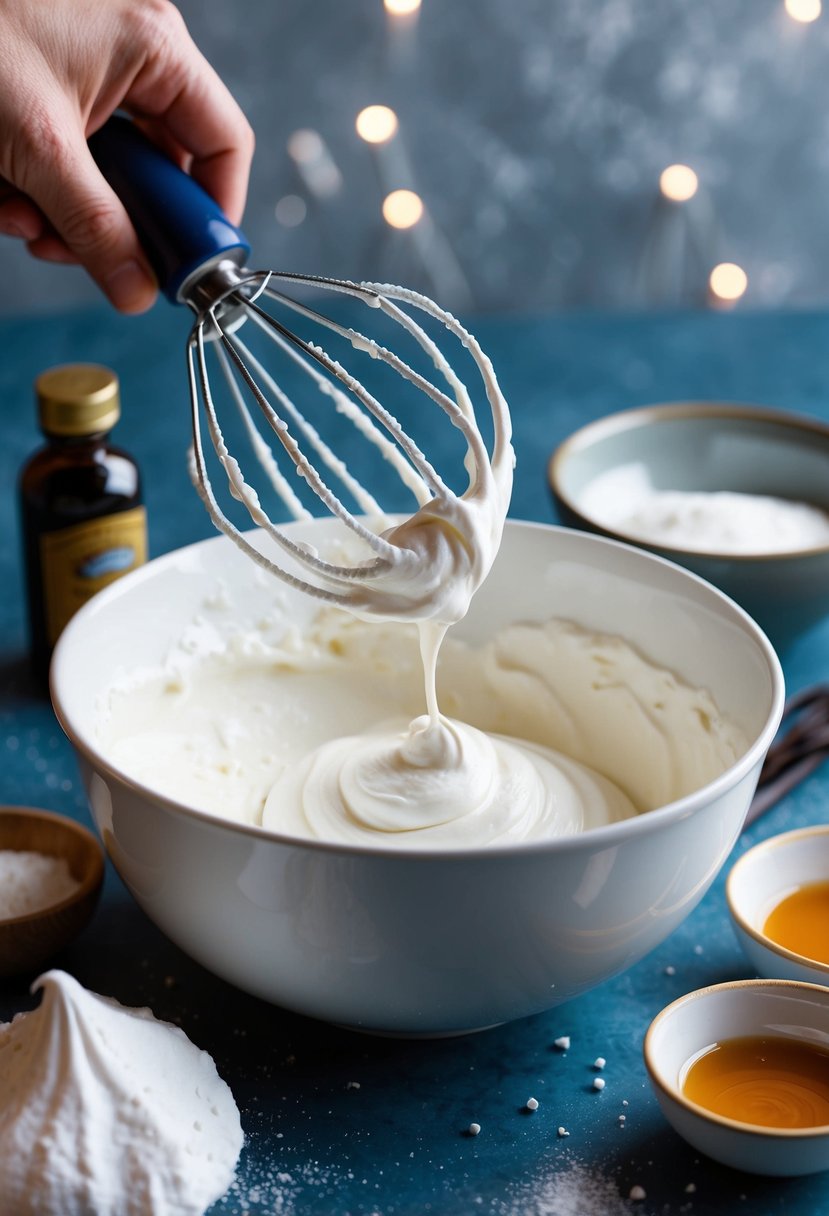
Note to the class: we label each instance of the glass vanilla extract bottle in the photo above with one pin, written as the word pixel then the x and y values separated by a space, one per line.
pixel 82 514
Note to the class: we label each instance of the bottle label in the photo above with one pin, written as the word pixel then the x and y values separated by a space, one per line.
pixel 78 561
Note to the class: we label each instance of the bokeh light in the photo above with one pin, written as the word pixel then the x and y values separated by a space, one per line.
pixel 728 282
pixel 290 210
pixel 305 146
pixel 402 208
pixel 804 10
pixel 678 183
pixel 376 124
pixel 401 8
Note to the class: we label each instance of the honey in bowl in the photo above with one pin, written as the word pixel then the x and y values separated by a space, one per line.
pixel 770 1082
pixel 800 922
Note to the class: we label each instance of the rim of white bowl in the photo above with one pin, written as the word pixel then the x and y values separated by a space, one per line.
pixel 642 823
pixel 644 415
pixel 659 1079
pixel 748 859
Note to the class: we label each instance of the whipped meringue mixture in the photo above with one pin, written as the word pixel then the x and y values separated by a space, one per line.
pixel 107 1110
pixel 553 730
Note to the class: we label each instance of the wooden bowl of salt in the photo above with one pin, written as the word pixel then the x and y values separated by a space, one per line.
pixel 51 873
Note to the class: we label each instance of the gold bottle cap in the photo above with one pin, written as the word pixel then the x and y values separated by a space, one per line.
pixel 78 399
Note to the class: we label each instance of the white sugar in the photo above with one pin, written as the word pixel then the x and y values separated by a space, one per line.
pixel 574 1190
pixel 32 881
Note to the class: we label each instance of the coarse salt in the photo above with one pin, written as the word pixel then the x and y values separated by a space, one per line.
pixel 563 1044
pixel 532 1103
pixel 598 1082
pixel 32 881
pixel 599 1062
pixel 637 1193
pixel 473 1129
pixel 562 1131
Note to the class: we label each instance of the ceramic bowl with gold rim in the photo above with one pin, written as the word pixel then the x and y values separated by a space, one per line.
pixel 789 1018
pixel 602 473
pixel 777 894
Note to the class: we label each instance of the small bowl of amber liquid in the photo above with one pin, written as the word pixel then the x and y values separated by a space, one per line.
pixel 741 1071
pixel 778 897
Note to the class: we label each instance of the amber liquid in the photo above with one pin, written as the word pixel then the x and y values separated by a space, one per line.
pixel 800 922
pixel 67 482
pixel 771 1082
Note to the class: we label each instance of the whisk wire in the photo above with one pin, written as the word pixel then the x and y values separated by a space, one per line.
pixel 246 376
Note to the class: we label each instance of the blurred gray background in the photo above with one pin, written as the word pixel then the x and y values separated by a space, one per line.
pixel 535 132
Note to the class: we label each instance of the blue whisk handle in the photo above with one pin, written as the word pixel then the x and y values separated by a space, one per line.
pixel 181 228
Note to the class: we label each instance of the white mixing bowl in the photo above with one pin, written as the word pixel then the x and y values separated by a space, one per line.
pixel 425 942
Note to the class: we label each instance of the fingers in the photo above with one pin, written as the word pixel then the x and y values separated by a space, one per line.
pixel 20 218
pixel 86 222
pixel 185 106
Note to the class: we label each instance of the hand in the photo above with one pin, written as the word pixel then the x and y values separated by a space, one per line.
pixel 65 66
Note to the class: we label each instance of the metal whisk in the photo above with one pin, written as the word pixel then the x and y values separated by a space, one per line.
pixel 200 259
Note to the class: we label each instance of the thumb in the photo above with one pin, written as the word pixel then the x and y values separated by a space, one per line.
pixel 90 219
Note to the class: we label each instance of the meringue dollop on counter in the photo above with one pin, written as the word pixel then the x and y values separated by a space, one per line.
pixel 107 1111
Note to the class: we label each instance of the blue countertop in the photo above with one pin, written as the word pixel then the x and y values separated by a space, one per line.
pixel 337 1123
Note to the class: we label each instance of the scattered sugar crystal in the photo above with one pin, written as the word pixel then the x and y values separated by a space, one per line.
pixel 598 1082
pixel 563 1044
pixel 690 1188
pixel 352 1084
pixel 622 1118
pixel 532 1103
pixel 32 881
pixel 473 1129
pixel 599 1062
pixel 562 1131
pixel 637 1193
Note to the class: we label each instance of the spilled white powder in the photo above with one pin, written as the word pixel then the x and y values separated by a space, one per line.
pixel 575 1190
pixel 32 881
pixel 107 1110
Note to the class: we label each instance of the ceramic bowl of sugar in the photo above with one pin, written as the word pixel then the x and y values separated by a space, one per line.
pixel 738 494
pixel 741 1071
pixel 778 897
pixel 204 700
